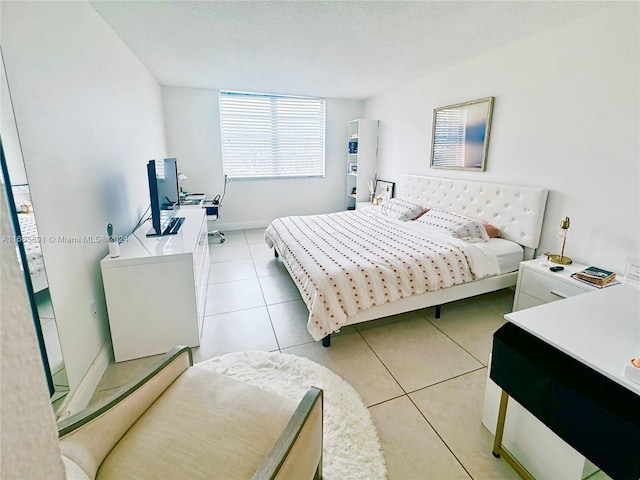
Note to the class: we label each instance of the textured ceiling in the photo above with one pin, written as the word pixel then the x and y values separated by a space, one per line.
pixel 335 49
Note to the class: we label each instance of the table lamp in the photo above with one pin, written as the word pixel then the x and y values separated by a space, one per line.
pixel 181 178
pixel 564 230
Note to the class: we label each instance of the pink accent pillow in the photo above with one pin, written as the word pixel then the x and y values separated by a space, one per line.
pixel 492 231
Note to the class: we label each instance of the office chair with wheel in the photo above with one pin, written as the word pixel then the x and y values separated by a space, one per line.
pixel 213 209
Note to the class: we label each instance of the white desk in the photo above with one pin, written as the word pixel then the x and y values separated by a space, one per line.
pixel 600 329
pixel 156 289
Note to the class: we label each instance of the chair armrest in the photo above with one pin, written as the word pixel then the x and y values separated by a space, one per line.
pixel 88 436
pixel 299 447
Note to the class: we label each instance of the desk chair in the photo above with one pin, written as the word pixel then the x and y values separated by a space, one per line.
pixel 212 216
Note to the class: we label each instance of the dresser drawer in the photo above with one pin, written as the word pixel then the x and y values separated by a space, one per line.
pixel 547 288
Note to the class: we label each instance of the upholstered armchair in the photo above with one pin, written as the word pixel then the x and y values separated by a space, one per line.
pixel 183 421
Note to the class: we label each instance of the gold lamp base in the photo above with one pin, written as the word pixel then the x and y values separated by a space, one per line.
pixel 562 260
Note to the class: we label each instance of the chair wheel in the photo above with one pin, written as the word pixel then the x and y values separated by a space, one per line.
pixel 222 240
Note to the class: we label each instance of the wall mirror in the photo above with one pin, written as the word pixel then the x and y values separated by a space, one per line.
pixel 460 138
pixel 13 180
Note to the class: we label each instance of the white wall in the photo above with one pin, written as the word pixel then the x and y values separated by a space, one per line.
pixel 10 141
pixel 89 116
pixel 566 117
pixel 27 428
pixel 193 136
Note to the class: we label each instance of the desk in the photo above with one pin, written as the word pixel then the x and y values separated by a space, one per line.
pixel 156 289
pixel 564 363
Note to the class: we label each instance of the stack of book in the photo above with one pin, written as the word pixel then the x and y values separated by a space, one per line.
pixel 595 276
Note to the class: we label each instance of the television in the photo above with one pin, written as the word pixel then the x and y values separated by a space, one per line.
pixel 164 195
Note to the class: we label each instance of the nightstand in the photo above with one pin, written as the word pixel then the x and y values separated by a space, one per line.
pixel 537 284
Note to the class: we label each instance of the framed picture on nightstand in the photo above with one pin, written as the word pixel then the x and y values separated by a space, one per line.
pixel 384 190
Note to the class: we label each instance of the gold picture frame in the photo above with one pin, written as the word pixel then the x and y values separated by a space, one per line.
pixel 460 135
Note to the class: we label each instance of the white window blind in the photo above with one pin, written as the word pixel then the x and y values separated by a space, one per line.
pixel 449 137
pixel 271 136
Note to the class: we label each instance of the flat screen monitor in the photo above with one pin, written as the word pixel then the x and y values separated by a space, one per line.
pixel 164 194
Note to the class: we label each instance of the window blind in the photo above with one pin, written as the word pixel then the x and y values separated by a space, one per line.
pixel 449 137
pixel 271 136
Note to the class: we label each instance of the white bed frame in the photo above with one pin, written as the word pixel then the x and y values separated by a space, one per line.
pixel 516 210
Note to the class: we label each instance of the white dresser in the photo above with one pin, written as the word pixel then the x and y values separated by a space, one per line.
pixel 156 289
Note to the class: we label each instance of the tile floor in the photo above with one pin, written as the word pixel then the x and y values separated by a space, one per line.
pixel 421 377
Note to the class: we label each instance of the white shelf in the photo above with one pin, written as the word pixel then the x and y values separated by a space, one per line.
pixel 365 132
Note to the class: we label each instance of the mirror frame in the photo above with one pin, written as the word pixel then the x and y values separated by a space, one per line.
pixel 472 151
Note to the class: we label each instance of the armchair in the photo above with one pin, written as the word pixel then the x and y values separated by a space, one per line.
pixel 184 421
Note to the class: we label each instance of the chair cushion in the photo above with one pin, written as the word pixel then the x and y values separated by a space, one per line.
pixel 205 425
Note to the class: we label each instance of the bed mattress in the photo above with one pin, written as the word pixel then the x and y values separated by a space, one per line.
pixel 508 253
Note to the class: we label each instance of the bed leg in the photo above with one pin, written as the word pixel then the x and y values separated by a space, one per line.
pixel 275 252
pixel 438 311
pixel 326 341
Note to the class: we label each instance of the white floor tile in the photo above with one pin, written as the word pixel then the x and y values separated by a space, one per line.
pixel 412 449
pixel 279 288
pixel 236 331
pixel 228 253
pixel 222 272
pixel 351 358
pixel 418 354
pixel 289 320
pixel 472 327
pixel 454 409
pixel 266 266
pixel 233 296
pixel 254 235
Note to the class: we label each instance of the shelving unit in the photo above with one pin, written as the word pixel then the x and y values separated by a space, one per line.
pixel 362 159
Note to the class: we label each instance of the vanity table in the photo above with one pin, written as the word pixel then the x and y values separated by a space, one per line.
pixel 563 362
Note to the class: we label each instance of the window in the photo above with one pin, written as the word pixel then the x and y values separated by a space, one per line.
pixel 271 136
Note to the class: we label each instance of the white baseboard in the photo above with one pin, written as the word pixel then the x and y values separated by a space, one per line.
pixel 80 396
pixel 238 226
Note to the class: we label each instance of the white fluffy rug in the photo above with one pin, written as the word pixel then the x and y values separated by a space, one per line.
pixel 351 447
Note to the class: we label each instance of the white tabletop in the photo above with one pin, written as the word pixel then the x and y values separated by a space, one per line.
pixel 138 248
pixel 600 329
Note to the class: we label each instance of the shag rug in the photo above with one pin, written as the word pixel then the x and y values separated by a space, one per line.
pixel 352 450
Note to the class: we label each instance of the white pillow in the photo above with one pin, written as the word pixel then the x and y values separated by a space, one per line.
pixel 400 209
pixel 456 225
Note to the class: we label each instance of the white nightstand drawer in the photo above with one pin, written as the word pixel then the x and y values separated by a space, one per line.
pixel 547 288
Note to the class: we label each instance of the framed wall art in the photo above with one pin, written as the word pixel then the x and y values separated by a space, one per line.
pixel 460 137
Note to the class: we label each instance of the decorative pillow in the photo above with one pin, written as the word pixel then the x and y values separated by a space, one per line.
pixel 456 225
pixel 492 231
pixel 400 209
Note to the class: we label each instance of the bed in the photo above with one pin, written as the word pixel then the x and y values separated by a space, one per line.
pixel 356 266
pixel 31 242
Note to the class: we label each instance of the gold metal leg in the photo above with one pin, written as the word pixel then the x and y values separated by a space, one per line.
pixel 498 451
pixel 502 415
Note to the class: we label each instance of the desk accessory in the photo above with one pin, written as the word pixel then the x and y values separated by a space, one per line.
pixel 114 247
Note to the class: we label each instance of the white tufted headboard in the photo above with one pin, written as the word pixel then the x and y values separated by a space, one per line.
pixel 516 210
